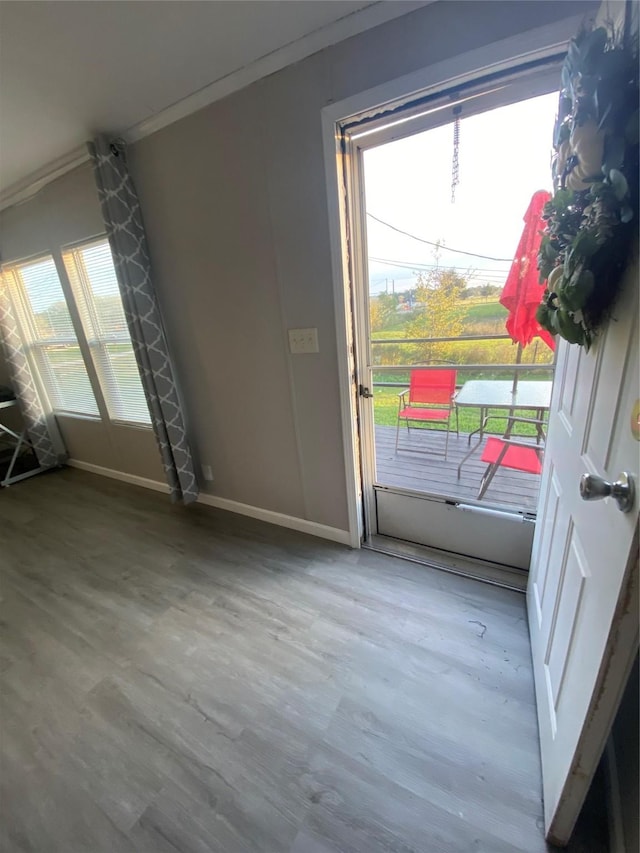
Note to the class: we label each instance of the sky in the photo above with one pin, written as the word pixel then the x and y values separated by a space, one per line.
pixel 504 158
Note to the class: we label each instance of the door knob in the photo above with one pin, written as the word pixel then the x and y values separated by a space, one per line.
pixel 623 491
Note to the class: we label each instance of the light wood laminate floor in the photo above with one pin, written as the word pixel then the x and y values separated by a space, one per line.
pixel 189 680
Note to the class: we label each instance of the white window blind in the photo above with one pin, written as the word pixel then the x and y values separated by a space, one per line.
pixel 49 337
pixel 95 287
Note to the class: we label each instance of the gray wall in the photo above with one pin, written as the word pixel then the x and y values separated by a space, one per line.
pixel 235 206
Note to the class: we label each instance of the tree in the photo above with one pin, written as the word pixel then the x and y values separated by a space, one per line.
pixel 54 321
pixel 438 294
pixel 488 290
pixel 382 311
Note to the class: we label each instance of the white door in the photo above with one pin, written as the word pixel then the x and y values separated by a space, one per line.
pixel 582 616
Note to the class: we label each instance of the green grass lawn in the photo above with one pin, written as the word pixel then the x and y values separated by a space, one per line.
pixel 483 311
pixel 480 317
pixel 385 409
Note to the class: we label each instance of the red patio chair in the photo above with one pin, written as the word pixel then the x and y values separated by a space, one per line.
pixel 431 399
pixel 511 453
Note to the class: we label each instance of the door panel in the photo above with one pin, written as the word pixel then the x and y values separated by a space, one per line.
pixel 563 628
pixel 548 562
pixel 582 556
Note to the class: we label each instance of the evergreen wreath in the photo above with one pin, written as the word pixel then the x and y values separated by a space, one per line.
pixel 592 218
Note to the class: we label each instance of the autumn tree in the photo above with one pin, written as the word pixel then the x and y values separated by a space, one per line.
pixel 439 314
pixel 383 311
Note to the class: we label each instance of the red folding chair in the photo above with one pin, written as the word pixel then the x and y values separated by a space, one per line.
pixel 510 453
pixel 431 400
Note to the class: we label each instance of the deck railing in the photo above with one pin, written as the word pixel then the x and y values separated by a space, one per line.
pixel 512 369
pixel 445 340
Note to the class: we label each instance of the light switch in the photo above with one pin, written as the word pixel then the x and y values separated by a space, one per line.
pixel 303 341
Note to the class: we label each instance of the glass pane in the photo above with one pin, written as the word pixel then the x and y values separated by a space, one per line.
pixel 128 401
pixel 107 302
pixel 65 377
pixel 437 269
pixel 47 324
pixel 93 278
pixel 45 297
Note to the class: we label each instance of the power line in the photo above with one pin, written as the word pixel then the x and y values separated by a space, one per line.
pixel 496 277
pixel 437 245
pixel 420 265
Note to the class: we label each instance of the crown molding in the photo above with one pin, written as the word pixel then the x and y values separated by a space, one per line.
pixel 356 22
pixel 25 189
pixel 352 24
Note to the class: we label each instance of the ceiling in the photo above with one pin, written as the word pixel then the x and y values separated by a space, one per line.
pixel 71 69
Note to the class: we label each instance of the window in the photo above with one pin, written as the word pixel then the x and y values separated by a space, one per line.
pixel 51 341
pixel 48 335
pixel 97 296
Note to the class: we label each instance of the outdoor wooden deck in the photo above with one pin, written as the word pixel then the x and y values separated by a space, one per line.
pixel 429 472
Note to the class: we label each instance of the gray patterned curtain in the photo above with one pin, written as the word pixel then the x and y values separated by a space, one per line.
pixel 40 424
pixel 125 230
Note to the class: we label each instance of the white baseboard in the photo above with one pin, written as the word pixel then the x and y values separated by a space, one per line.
pixel 302 525
pixel 145 482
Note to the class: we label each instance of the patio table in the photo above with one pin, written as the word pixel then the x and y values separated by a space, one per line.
pixel 485 394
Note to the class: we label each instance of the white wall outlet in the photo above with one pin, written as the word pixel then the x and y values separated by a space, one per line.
pixel 207 473
pixel 303 340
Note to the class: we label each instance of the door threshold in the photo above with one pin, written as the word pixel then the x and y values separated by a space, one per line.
pixel 493 573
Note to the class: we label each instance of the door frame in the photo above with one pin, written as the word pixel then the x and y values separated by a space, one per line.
pixel 500 56
pixel 493 534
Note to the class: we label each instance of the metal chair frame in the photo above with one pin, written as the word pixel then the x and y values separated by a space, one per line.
pixel 450 405
pixel 508 441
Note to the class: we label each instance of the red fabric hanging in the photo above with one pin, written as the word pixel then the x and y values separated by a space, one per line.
pixel 522 293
